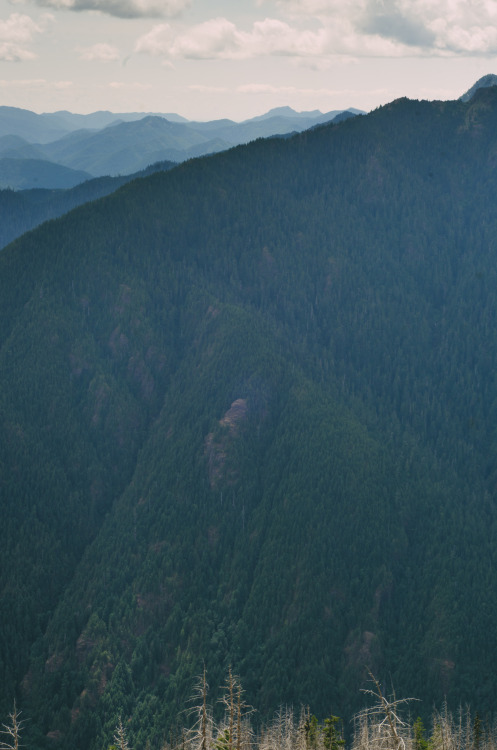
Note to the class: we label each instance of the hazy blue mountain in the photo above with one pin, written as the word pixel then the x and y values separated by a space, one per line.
pixel 23 174
pixel 29 125
pixel 101 119
pixel 106 144
pixel 18 148
pixel 43 128
pixel 291 113
pixel 127 147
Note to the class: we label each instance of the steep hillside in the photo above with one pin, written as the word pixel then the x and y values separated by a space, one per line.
pixel 489 80
pixel 248 417
pixel 23 210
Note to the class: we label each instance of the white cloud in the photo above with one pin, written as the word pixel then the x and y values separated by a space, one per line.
pixel 16 34
pixel 123 8
pixel 100 53
pixel 219 38
pixel 361 34
pixel 156 42
pixel 393 27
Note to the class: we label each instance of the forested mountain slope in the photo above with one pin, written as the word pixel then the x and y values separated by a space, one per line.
pixel 23 210
pixel 248 417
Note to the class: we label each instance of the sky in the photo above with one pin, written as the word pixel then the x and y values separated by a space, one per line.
pixel 213 59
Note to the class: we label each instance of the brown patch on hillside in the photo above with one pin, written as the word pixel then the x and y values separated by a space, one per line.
pixel 84 646
pixel 217 445
pixel 27 682
pixel 54 736
pixel 235 414
pixel 359 652
pixel 54 663
pixel 213 535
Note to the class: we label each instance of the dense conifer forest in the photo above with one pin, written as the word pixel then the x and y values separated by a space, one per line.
pixel 248 418
pixel 23 210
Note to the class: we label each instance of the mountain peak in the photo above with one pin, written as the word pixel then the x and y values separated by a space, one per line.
pixel 488 80
pixel 286 111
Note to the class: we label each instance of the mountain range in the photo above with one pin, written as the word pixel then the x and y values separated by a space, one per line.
pixel 247 414
pixel 69 148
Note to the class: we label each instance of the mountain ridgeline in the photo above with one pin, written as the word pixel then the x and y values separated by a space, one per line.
pixel 248 413
pixel 51 150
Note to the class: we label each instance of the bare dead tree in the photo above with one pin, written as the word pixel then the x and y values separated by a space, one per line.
pixel 380 726
pixel 200 736
pixel 120 739
pixel 235 732
pixel 12 731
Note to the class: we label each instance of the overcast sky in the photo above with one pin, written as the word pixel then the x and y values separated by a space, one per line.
pixel 219 58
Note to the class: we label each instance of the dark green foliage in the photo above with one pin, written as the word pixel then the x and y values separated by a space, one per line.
pixel 420 741
pixel 25 209
pixel 248 417
pixel 332 736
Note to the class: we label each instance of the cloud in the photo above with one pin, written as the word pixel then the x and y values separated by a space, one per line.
pixel 437 26
pixel 384 18
pixel 123 8
pixel 393 27
pixel 16 33
pixel 314 32
pixel 219 38
pixel 99 53
pixel 156 42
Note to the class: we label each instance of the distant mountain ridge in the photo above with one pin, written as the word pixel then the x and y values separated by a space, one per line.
pixel 28 173
pixel 105 144
pixel 43 128
pixel 121 151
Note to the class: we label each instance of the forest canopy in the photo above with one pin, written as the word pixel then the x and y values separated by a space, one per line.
pixel 247 414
